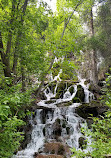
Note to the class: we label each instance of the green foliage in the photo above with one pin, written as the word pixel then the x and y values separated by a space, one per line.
pixel 10 137
pixel 13 105
pixel 68 70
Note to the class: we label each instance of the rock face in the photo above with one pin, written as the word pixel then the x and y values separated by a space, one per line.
pixel 95 108
pixel 80 95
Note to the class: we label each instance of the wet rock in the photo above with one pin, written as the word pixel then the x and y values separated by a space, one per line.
pixel 87 81
pixel 80 95
pixel 44 131
pixel 47 91
pixel 57 129
pixel 42 96
pixel 60 90
pixel 35 155
pixel 82 143
pixel 71 90
pixel 68 130
pixel 35 106
pixel 61 150
pixel 94 88
pixel 94 108
pixel 27 136
pixel 63 104
pixel 50 101
pixel 64 123
pixel 44 113
pixel 52 86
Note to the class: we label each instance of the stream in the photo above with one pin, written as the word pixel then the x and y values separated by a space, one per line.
pixel 56 122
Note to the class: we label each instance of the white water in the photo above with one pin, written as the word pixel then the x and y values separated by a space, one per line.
pixel 69 135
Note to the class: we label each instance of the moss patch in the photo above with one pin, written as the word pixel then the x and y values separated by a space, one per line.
pixel 52 86
pixel 71 90
pixel 94 108
pixel 60 90
pixel 80 95
pixel 63 104
pixel 50 101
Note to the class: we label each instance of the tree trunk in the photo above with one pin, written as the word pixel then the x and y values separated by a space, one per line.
pixel 93 55
pixel 5 59
pixel 23 78
pixel 5 55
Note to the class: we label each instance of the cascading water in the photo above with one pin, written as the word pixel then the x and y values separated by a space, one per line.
pixel 56 122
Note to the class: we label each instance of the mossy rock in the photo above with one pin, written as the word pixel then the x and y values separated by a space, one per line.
pixel 87 82
pixel 58 120
pixel 57 129
pixel 69 84
pixel 91 109
pixel 80 95
pixel 71 90
pixel 52 86
pixel 82 143
pixel 63 104
pixel 68 130
pixel 64 123
pixel 50 101
pixel 60 90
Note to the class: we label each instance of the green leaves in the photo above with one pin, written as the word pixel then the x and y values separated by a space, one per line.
pixel 12 110
pixel 10 137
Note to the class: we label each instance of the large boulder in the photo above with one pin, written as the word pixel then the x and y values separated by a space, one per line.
pixel 56 148
pixel 94 108
pixel 80 95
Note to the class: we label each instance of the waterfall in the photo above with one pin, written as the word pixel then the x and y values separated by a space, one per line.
pixel 56 123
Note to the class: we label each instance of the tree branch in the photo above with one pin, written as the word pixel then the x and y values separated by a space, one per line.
pixel 65 25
